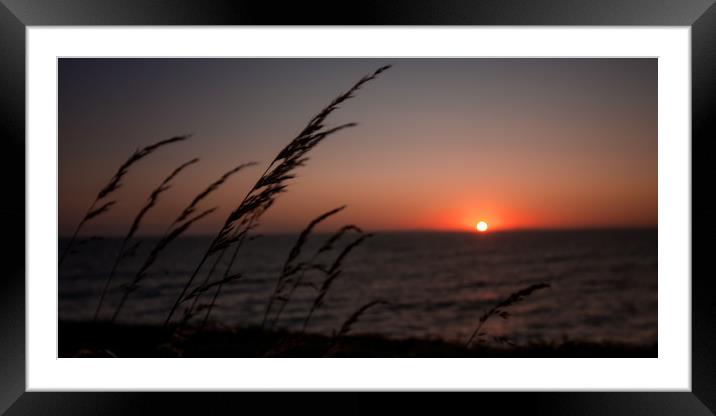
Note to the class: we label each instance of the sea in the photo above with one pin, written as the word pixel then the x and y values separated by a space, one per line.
pixel 435 285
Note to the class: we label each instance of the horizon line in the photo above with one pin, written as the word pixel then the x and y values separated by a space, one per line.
pixel 425 230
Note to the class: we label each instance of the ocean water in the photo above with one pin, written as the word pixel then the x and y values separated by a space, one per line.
pixel 603 284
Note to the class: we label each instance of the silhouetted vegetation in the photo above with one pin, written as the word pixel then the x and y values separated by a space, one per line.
pixel 316 271
pixel 114 183
pixel 499 310
pixel 151 202
pixel 104 340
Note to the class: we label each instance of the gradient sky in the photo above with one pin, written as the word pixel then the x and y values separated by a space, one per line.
pixel 440 143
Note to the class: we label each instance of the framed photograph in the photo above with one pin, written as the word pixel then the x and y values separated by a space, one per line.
pixel 491 198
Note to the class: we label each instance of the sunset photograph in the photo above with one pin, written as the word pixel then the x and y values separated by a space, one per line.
pixel 357 207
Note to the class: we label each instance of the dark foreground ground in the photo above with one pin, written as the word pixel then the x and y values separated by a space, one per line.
pixel 103 340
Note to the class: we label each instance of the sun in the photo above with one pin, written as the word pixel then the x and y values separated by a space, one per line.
pixel 481 226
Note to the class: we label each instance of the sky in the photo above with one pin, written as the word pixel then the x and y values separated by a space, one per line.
pixel 440 143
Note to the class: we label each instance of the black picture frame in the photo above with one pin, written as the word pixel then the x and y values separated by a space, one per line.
pixel 16 15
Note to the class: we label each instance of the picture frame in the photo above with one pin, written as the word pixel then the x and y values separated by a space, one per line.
pixel 16 15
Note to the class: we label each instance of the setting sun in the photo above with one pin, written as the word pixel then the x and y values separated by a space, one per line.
pixel 481 226
pixel 481 181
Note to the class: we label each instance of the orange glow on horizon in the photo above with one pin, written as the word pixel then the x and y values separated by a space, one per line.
pixel 545 144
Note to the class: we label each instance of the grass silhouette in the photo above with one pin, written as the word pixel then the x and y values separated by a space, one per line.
pixel 230 238
pixel 291 269
pixel 114 183
pixel 182 223
pixel 272 182
pixel 499 310
pixel 151 202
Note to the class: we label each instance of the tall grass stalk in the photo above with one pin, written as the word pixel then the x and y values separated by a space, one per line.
pixel 151 202
pixel 189 312
pixel 348 325
pixel 178 227
pixel 497 310
pixel 114 183
pixel 289 268
pixel 353 318
pixel 227 271
pixel 305 267
pixel 158 248
pixel 273 182
pixel 332 274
